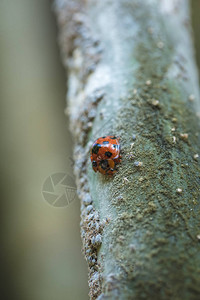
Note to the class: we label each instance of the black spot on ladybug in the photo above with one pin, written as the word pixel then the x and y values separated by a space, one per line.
pixel 113 138
pixel 105 142
pixel 103 137
pixel 95 149
pixel 115 147
pixel 108 154
pixel 104 164
pixel 94 164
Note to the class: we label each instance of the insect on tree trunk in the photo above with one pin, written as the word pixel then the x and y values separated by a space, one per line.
pixel 131 73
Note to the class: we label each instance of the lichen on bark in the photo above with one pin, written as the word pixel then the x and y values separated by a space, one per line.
pixel 131 71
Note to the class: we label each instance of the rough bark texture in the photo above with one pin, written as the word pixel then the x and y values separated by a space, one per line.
pixel 131 73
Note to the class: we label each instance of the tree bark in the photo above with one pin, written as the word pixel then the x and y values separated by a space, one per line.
pixel 131 73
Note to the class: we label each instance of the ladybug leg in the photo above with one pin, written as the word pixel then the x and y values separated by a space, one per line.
pixel 111 163
pixel 110 172
pixel 101 170
pixel 94 165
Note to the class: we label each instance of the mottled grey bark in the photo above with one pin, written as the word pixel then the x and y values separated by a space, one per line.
pixel 131 73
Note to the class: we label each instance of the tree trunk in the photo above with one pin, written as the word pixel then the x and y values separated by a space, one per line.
pixel 131 73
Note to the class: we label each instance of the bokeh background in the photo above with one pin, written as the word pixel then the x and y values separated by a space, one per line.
pixel 41 255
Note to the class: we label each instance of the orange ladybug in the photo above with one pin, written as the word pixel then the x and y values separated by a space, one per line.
pixel 105 155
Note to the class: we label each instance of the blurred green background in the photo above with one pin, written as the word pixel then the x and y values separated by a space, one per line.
pixel 41 246
pixel 41 252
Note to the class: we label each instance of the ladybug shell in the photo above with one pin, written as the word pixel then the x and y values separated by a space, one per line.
pixel 105 154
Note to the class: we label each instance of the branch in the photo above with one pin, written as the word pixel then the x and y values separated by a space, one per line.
pixel 131 73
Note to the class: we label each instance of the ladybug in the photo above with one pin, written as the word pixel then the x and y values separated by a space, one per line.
pixel 105 155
